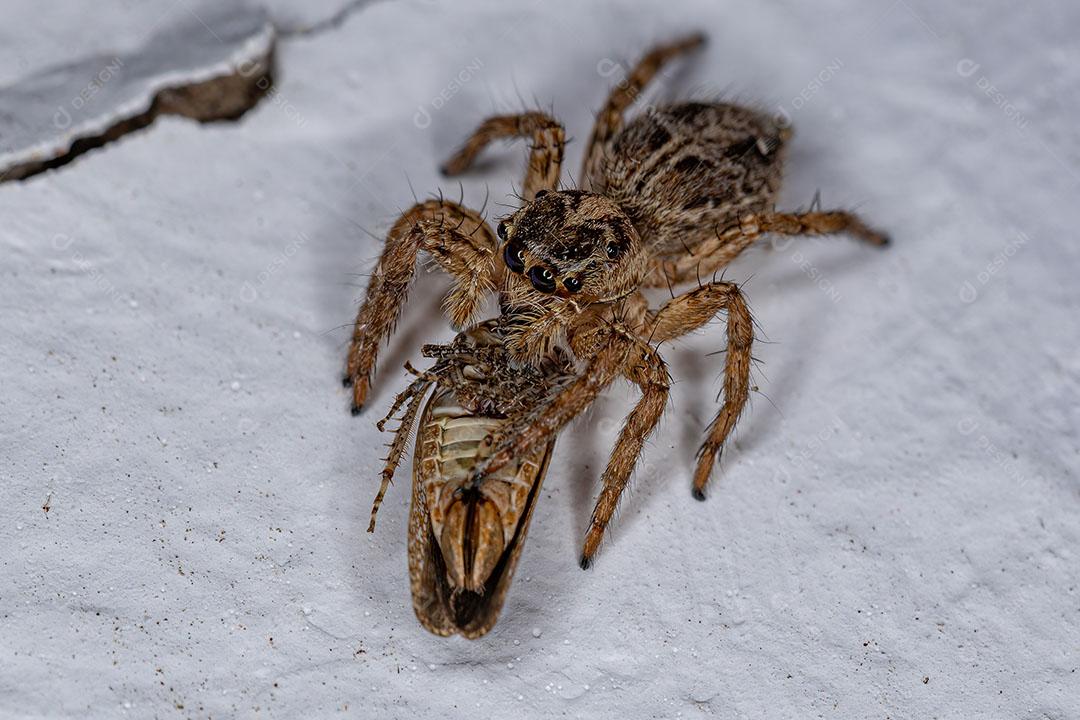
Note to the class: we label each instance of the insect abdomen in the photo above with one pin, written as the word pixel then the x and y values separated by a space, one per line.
pixel 465 537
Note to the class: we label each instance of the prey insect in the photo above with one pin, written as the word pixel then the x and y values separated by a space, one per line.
pixel 465 535
pixel 666 198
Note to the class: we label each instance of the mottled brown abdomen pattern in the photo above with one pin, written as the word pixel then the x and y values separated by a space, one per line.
pixel 681 172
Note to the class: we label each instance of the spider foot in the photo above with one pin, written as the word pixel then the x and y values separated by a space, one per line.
pixel 360 389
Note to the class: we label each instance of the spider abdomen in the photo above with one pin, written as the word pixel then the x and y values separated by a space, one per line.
pixel 681 172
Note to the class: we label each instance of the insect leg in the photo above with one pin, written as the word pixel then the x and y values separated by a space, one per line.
pixel 416 392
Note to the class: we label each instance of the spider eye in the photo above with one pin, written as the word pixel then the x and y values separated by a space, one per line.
pixel 539 194
pixel 572 284
pixel 613 250
pixel 501 230
pixel 514 257
pixel 542 279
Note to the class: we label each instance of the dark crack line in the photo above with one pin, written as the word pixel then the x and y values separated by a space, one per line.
pixel 333 22
pixel 224 98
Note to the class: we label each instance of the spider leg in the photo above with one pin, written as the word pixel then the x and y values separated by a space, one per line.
pixel 619 353
pixel 648 371
pixel 727 244
pixel 689 312
pixel 609 120
pixel 546 151
pixel 545 421
pixel 460 242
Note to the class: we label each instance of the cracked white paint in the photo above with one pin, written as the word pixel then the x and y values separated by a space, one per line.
pixel 42 115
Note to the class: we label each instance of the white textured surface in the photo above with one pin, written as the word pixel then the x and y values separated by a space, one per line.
pixel 894 534
pixel 39 35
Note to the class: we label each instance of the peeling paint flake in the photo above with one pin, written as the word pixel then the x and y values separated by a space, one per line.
pixel 213 66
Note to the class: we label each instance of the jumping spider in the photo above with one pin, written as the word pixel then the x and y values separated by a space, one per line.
pixel 669 197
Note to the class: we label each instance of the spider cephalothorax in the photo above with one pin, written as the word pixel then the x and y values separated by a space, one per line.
pixel 564 252
pixel 674 195
pixel 573 245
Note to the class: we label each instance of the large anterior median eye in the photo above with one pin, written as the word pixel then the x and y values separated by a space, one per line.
pixel 514 257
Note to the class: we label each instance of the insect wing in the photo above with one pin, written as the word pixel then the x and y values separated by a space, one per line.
pixel 465 540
